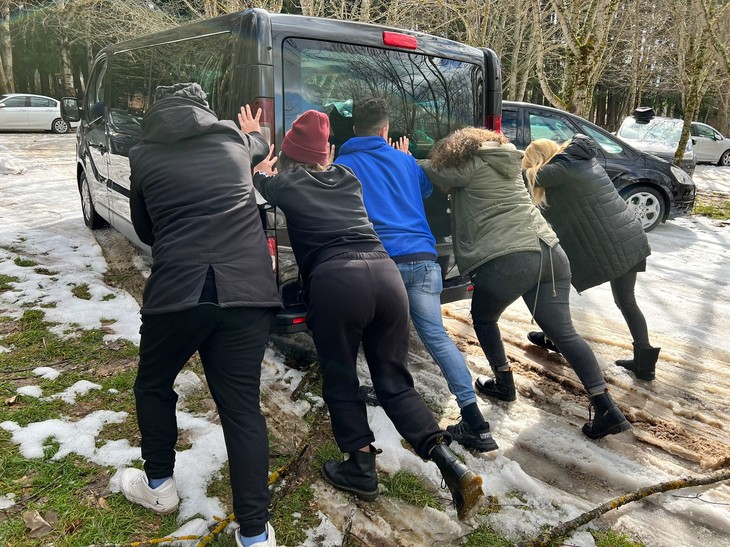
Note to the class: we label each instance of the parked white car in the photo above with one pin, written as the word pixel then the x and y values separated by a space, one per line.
pixel 710 146
pixel 27 112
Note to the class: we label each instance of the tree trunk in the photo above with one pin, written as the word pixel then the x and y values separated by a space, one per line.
pixel 6 49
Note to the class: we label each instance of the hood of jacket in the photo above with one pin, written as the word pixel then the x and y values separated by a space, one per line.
pixel 357 144
pixel 176 118
pixel 581 147
pixel 503 158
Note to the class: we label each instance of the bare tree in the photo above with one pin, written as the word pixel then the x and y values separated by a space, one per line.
pixel 7 82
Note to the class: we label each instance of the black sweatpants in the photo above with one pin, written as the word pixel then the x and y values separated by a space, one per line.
pixel 360 297
pixel 231 343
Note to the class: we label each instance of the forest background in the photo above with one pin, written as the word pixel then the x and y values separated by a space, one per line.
pixel 597 58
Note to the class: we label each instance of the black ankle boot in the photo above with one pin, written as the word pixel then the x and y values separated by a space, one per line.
pixel 643 364
pixel 356 475
pixel 465 486
pixel 607 419
pixel 501 387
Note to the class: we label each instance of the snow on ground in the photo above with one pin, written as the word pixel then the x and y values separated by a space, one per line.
pixel 685 295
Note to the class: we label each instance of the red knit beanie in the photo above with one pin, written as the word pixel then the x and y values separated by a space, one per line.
pixel 306 141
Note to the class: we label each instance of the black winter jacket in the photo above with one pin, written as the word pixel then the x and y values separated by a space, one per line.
pixel 324 211
pixel 601 236
pixel 192 200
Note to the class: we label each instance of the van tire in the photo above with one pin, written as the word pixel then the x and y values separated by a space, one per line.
pixel 648 205
pixel 91 217
pixel 59 126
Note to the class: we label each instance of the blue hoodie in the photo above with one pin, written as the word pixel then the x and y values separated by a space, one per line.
pixel 393 187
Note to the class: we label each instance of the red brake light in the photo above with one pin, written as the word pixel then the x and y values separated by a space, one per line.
pixel 298 320
pixel 396 39
pixel 271 243
pixel 493 122
pixel 267 116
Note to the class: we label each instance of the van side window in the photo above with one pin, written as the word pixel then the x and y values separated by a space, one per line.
pixel 94 105
pixel 429 96
pixel 138 72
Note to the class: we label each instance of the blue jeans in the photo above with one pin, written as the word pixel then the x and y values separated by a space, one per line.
pixel 422 279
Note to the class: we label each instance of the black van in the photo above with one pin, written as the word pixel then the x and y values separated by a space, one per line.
pixel 284 64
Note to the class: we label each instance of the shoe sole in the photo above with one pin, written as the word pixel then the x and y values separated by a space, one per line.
pixel 493 394
pixel 362 494
pixel 479 446
pixel 470 488
pixel 618 428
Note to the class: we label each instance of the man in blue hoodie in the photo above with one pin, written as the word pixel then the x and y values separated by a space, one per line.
pixel 394 187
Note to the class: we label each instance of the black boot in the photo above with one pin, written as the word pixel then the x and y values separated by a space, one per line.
pixel 501 387
pixel 644 362
pixel 607 417
pixel 465 486
pixel 356 475
pixel 539 339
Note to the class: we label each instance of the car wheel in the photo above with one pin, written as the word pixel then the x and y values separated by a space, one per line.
pixel 91 217
pixel 59 126
pixel 647 204
pixel 724 159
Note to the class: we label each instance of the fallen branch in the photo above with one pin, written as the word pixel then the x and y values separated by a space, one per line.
pixel 563 529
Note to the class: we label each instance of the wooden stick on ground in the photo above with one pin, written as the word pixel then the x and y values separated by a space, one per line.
pixel 565 528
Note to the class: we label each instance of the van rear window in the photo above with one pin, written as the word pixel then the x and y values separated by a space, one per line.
pixel 429 96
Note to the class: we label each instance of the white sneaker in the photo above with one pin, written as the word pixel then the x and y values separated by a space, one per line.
pixel 270 541
pixel 136 489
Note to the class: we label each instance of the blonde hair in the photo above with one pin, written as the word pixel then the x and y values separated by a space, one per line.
pixel 538 153
pixel 462 145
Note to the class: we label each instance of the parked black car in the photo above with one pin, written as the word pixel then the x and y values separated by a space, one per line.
pixel 654 188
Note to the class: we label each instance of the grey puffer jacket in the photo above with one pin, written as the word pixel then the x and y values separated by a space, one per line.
pixel 601 236
pixel 192 200
pixel 492 214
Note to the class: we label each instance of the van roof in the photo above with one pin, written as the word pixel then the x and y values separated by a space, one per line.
pixel 294 26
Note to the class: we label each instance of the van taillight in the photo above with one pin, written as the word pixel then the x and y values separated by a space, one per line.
pixel 298 320
pixel 493 122
pixel 396 39
pixel 271 242
pixel 267 116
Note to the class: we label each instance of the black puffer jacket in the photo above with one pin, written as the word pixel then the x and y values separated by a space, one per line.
pixel 601 236
pixel 192 200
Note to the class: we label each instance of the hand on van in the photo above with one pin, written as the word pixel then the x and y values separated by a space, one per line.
pixel 267 165
pixel 401 144
pixel 247 121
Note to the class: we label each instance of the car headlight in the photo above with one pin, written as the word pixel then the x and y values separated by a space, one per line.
pixel 681 175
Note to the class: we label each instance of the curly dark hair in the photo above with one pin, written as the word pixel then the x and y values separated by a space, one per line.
pixel 462 145
pixel 370 115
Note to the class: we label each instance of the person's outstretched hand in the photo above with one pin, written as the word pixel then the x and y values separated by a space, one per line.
pixel 331 154
pixel 401 144
pixel 248 122
pixel 267 164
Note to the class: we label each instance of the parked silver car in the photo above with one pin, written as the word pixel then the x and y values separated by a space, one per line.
pixel 27 112
pixel 710 146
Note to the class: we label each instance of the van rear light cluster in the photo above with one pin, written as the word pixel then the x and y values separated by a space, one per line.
pixel 271 243
pixel 493 122
pixel 397 39
pixel 267 116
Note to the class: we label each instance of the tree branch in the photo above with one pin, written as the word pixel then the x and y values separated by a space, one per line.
pixel 561 530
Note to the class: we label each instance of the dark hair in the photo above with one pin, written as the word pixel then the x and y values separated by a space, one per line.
pixel 285 162
pixel 370 115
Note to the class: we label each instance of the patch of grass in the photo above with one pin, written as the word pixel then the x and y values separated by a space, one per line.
pixel 490 506
pixel 293 515
pixel 411 488
pixel 328 451
pixel 24 262
pixel 81 291
pixel 712 207
pixel 5 281
pixel 609 538
pixel 45 271
pixel 485 536
pixel 110 296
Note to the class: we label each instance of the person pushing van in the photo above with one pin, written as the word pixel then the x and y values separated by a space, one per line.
pixel 394 187
pixel 354 295
pixel 212 290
